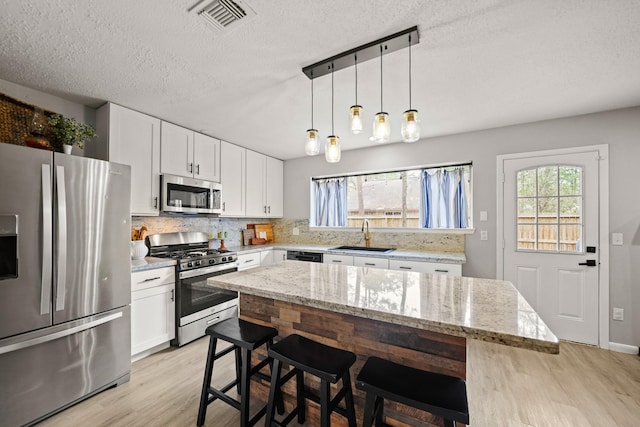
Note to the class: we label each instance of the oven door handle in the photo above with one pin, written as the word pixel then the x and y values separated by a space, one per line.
pixel 221 268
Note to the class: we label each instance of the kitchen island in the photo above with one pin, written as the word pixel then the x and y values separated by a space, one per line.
pixel 417 319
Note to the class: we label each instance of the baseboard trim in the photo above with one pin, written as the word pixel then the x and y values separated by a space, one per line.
pixel 623 348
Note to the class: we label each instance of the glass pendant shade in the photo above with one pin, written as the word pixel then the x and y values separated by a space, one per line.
pixel 381 128
pixel 332 149
pixel 355 119
pixel 312 145
pixel 410 126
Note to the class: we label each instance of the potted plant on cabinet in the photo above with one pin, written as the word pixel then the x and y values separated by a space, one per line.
pixel 69 132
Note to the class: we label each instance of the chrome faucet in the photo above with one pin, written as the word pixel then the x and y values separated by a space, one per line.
pixel 367 236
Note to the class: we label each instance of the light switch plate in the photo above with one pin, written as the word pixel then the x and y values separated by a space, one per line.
pixel 296 231
pixel 617 239
pixel 618 313
pixel 483 215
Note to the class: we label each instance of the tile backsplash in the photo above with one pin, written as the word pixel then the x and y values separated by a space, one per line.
pixel 283 233
pixel 419 240
pixel 209 225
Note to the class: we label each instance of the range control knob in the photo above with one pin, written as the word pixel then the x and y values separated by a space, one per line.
pixel 198 263
pixel 224 259
pixel 189 264
pixel 211 261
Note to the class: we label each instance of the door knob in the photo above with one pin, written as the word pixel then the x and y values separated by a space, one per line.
pixel 589 263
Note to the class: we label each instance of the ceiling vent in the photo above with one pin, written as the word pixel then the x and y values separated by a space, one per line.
pixel 223 14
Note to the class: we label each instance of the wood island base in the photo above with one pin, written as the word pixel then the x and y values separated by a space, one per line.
pixel 365 337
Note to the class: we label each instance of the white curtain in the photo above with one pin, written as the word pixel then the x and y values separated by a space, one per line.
pixel 444 198
pixel 331 202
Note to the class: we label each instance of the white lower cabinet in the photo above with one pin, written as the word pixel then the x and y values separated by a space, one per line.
pixel 279 255
pixel 426 267
pixel 152 309
pixel 247 261
pixel 337 259
pixel 364 261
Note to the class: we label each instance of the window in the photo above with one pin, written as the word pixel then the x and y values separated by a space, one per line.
pixel 549 210
pixel 413 198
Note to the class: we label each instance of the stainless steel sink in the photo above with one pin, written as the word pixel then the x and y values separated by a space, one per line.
pixel 362 248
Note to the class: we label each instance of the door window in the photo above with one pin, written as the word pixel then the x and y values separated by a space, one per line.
pixel 549 209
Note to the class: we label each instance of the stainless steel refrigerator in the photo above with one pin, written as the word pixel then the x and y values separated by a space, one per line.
pixel 65 287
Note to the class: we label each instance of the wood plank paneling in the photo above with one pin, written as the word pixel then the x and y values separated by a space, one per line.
pixel 365 337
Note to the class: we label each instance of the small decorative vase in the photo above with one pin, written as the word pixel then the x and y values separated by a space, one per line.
pixel 67 148
pixel 138 249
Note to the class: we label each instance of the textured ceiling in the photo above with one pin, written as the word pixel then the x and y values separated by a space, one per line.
pixel 480 64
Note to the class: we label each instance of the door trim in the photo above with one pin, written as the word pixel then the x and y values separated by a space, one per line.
pixel 603 226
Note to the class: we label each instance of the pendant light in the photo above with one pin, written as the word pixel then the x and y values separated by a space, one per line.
pixel 355 112
pixel 332 148
pixel 381 126
pixel 312 145
pixel 410 128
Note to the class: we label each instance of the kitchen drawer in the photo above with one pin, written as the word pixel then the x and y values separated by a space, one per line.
pixel 426 267
pixel 149 278
pixel 247 261
pixel 363 261
pixel 337 259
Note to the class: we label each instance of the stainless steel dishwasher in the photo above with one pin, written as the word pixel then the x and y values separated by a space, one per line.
pixel 305 256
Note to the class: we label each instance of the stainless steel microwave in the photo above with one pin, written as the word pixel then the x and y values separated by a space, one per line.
pixel 190 196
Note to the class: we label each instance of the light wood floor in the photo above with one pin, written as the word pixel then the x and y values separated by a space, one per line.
pixel 583 386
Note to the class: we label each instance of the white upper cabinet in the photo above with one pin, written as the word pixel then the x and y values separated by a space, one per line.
pixel 274 189
pixel 256 169
pixel 232 178
pixel 206 157
pixel 132 138
pixel 264 186
pixel 189 154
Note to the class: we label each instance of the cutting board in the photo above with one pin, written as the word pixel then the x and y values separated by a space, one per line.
pixel 247 235
pixel 267 229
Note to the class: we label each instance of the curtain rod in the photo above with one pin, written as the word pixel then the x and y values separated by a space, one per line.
pixel 439 165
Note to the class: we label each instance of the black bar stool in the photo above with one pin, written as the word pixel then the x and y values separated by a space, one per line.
pixel 439 394
pixel 245 337
pixel 327 363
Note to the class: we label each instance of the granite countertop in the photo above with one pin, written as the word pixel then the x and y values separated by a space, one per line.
pixel 485 309
pixel 399 254
pixel 150 263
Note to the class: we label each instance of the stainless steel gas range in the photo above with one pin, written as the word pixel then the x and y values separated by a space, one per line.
pixel 198 305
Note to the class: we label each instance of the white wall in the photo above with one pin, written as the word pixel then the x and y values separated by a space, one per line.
pixel 620 129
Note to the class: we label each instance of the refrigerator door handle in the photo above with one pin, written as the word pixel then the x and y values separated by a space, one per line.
pixel 60 332
pixel 62 239
pixel 47 224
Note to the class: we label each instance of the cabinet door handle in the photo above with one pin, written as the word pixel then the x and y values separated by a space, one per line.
pixel 269 209
pixel 190 167
pixel 402 267
pixel 151 279
pixel 248 260
pixel 155 202
pixel 224 206
pixel 198 169
pixel 173 294
pixel 441 271
pixel 264 208
pixel 336 260
pixel 369 263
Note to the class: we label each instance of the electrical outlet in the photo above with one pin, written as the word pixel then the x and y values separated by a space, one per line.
pixel 618 313
pixel 296 231
pixel 483 215
pixel 484 235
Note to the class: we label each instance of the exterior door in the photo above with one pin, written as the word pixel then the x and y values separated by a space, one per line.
pixel 551 245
